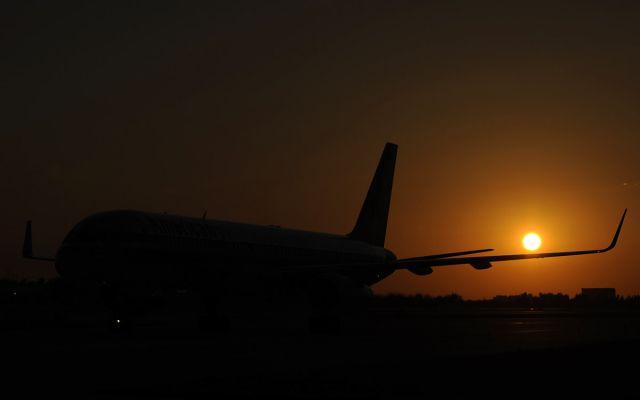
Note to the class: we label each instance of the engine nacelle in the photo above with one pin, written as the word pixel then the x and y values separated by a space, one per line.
pixel 422 271
pixel 481 265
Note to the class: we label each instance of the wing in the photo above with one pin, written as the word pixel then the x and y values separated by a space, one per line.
pixel 484 262
pixel 27 246
pixel 422 265
pixel 445 255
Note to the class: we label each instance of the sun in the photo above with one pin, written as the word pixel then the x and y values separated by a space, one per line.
pixel 531 241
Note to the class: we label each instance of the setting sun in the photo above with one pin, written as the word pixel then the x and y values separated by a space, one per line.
pixel 531 241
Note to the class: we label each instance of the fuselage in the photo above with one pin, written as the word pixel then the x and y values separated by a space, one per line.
pixel 146 248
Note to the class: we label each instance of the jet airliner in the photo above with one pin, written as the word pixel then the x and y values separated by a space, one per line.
pixel 133 251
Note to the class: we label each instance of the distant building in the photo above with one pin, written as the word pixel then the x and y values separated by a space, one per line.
pixel 599 295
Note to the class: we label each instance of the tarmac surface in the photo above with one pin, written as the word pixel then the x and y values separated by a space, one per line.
pixel 382 353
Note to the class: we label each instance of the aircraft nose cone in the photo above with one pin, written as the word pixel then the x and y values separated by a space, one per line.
pixel 73 261
pixel 64 259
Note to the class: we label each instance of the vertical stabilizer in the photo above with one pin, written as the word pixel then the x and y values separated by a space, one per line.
pixel 371 226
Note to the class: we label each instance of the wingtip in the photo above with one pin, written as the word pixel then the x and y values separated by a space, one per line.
pixel 617 234
pixel 624 214
pixel 27 246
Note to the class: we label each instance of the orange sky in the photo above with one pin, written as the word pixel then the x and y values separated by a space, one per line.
pixel 508 119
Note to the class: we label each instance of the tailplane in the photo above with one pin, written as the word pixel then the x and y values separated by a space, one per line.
pixel 371 226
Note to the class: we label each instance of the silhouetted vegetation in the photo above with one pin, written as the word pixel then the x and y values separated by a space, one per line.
pixel 53 292
pixel 523 300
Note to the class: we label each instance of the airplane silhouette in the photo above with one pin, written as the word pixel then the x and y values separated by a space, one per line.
pixel 127 251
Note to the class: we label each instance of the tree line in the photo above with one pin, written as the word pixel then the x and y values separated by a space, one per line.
pixel 53 290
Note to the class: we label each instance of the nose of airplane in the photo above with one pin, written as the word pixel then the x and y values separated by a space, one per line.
pixel 76 261
pixel 65 260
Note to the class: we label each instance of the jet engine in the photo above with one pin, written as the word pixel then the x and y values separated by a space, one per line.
pixel 481 265
pixel 422 271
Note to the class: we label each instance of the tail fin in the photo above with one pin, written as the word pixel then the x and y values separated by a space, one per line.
pixel 371 226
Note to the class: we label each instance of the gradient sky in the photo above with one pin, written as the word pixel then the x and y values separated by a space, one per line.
pixel 509 118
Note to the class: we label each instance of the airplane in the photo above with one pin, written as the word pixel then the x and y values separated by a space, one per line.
pixel 125 252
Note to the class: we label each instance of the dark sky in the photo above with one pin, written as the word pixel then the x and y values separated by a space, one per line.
pixel 509 118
